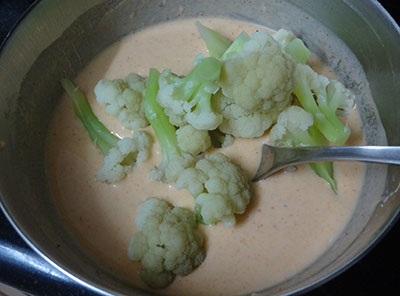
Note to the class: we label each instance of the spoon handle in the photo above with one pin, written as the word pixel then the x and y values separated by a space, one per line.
pixel 276 158
pixel 378 154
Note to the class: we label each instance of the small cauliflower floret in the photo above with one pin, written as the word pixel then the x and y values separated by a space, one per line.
pixel 192 140
pixel 124 99
pixel 187 100
pixel 260 76
pixel 295 127
pixel 220 188
pixel 119 155
pixel 242 123
pixel 121 159
pixel 174 159
pixel 167 243
pixel 323 98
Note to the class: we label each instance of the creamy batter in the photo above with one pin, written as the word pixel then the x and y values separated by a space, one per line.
pixel 292 219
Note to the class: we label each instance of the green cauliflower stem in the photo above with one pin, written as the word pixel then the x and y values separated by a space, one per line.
pixel 292 45
pixel 174 160
pixel 236 46
pixel 322 98
pixel 187 100
pixel 193 141
pixel 295 127
pixel 124 99
pixel 216 43
pixel 260 76
pixel 167 242
pixel 220 188
pixel 120 155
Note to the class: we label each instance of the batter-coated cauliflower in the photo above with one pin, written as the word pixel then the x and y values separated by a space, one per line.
pixel 260 76
pixel 220 188
pixel 167 243
pixel 121 159
pixel 192 140
pixel 124 99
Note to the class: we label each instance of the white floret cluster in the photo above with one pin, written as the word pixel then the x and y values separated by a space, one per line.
pixel 121 159
pixel 167 242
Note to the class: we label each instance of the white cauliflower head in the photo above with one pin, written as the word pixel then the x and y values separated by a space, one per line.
pixel 167 243
pixel 121 159
pixel 242 123
pixel 260 76
pixel 221 189
pixel 192 140
pixel 124 99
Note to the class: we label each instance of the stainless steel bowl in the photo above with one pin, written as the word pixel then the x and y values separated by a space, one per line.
pixel 58 38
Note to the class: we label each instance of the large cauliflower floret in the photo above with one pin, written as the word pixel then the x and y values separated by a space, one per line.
pixel 260 76
pixel 124 99
pixel 242 123
pixel 221 189
pixel 121 159
pixel 192 140
pixel 167 243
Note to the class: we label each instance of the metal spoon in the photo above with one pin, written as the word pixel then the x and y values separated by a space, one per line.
pixel 274 159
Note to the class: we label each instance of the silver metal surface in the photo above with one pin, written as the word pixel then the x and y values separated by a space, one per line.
pixel 274 159
pixel 357 39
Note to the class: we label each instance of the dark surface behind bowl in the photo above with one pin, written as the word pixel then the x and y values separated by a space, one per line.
pixel 377 272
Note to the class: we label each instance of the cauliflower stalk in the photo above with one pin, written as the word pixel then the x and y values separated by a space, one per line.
pixel 121 155
pixel 323 98
pixel 124 99
pixel 187 100
pixel 174 159
pixel 221 189
pixel 167 242
pixel 292 45
pixel 295 127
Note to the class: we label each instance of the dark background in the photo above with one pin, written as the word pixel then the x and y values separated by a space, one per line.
pixel 378 273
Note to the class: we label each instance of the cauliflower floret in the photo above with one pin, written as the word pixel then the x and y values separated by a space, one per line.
pixel 291 129
pixel 295 127
pixel 167 243
pixel 260 76
pixel 188 99
pixel 221 189
pixel 242 123
pixel 121 159
pixel 124 99
pixel 192 140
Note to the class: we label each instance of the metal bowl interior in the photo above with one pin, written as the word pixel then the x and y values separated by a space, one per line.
pixel 358 39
